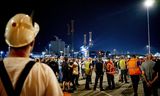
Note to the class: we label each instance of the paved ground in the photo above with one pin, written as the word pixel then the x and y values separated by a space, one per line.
pixel 121 89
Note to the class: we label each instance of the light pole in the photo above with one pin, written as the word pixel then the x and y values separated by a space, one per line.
pixel 114 51
pixel 61 52
pixel 148 4
pixel 147 47
pixel 1 54
pixel 72 38
pixel 49 48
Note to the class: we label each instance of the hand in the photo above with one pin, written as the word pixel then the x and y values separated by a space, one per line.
pixel 148 84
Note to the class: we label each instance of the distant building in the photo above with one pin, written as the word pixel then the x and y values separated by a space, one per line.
pixel 58 47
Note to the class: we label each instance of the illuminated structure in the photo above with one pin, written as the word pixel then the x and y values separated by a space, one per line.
pixel 90 39
pixel 85 48
pixel 84 51
pixel 148 4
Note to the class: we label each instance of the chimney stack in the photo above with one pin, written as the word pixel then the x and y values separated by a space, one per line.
pixel 90 38
pixel 85 40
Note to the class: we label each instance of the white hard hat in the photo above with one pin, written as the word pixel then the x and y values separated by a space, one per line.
pixel 20 31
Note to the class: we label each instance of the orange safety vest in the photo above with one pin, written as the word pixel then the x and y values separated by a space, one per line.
pixel 133 68
pixel 110 67
pixel 66 94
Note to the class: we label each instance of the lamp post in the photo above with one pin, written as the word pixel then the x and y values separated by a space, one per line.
pixel 61 52
pixel 1 54
pixel 49 48
pixel 43 54
pixel 147 47
pixel 148 4
pixel 114 51
pixel 72 38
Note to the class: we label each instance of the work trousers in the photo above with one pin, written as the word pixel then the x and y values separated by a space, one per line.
pixel 111 83
pixel 135 81
pixel 98 75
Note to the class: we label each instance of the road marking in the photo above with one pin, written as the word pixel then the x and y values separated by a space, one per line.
pixel 107 94
pixel 103 93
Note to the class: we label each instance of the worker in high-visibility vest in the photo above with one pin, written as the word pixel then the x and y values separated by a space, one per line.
pixel 123 68
pixel 88 72
pixel 134 72
pixel 110 71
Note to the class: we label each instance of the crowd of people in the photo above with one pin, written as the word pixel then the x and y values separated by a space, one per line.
pixel 21 75
pixel 68 71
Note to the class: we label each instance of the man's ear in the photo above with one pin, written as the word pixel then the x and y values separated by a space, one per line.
pixel 32 43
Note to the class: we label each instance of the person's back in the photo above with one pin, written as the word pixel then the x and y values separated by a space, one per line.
pixel 147 67
pixel 99 67
pixel 87 68
pixel 147 76
pixel 40 80
pixel 133 67
pixel 134 72
pixel 65 67
pixel 122 64
pixel 110 69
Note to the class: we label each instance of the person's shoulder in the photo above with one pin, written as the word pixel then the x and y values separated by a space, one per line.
pixel 143 65
pixel 42 67
pixel 48 77
pixel 44 70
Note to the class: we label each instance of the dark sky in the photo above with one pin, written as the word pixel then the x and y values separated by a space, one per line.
pixel 115 24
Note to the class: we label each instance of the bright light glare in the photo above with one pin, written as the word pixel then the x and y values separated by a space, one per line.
pixel 1 52
pixel 84 51
pixel 43 53
pixel 149 3
pixel 61 51
pixel 147 46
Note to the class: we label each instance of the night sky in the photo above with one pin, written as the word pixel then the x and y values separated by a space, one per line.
pixel 115 24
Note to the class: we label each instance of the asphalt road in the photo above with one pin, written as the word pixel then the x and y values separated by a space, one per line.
pixel 122 89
